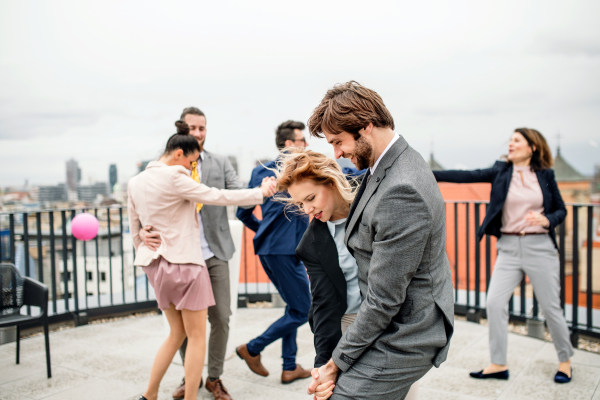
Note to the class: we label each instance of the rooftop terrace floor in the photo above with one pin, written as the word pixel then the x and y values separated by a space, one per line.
pixel 113 360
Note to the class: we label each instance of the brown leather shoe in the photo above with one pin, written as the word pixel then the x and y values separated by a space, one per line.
pixel 253 362
pixel 218 390
pixel 179 393
pixel 291 376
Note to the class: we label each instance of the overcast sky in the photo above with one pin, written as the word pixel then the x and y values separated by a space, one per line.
pixel 103 82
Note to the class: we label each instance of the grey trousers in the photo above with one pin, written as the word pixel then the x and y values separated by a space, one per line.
pixel 218 316
pixel 362 382
pixel 535 256
pixel 413 393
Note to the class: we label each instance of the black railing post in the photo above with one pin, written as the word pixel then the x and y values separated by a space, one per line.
pixel 135 288
pixel 575 277
pixel 65 255
pixel 11 235
pixel 40 254
pixel 477 257
pixel 561 257
pixel 74 255
pixel 97 261
pixel 468 255
pixel 110 277
pixel 26 250
pixel 85 271
pixel 523 295
pixel 456 252
pixel 122 253
pixel 488 260
pixel 52 260
pixel 589 293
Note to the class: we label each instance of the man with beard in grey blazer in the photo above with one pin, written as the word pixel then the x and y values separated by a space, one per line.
pixel 396 231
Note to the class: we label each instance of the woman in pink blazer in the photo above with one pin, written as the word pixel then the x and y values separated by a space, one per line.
pixel 166 197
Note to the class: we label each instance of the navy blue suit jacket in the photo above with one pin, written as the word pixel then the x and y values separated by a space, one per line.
pixel 279 232
pixel 500 176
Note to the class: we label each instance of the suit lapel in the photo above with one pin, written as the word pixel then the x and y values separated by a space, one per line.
pixel 371 187
pixel 545 192
pixel 328 256
pixel 206 167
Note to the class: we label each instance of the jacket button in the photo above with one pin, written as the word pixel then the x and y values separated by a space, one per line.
pixel 377 180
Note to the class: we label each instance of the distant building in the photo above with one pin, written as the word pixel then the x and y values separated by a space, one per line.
pixel 574 186
pixel 142 165
pixel 433 164
pixel 73 175
pixel 89 193
pixel 47 194
pixel 112 176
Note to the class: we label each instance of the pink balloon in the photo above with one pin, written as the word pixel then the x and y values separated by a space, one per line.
pixel 84 226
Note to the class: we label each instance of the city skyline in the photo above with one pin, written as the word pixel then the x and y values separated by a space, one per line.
pixel 464 74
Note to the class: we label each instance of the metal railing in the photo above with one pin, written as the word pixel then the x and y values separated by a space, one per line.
pixel 472 263
pixel 85 279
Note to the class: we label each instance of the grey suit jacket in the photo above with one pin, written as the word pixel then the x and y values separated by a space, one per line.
pixel 217 172
pixel 396 231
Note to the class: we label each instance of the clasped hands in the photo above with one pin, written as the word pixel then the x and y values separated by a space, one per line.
pixel 323 381
pixel 534 219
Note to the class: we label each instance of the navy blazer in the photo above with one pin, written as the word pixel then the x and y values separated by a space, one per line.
pixel 500 176
pixel 319 254
pixel 279 232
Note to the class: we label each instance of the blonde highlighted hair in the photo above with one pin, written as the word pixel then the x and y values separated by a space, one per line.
pixel 297 165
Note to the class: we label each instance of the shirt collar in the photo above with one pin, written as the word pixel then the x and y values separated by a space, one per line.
pixel 201 156
pixel 394 139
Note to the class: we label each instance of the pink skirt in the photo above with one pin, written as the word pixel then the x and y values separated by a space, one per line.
pixel 187 286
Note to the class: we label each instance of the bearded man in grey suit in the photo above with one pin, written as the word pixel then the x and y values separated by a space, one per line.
pixel 396 231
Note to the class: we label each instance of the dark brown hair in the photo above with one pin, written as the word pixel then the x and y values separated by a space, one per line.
pixel 349 107
pixel 541 158
pixel 191 110
pixel 182 140
pixel 285 131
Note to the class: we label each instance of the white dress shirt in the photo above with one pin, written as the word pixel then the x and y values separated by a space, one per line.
pixel 396 137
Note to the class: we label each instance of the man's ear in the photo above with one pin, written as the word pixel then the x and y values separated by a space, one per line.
pixel 367 130
pixel 289 143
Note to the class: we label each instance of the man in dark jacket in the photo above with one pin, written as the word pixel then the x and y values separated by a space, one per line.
pixel 277 235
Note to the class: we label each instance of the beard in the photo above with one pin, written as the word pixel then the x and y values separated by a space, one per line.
pixel 363 152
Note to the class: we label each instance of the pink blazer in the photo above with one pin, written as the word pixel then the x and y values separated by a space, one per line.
pixel 165 197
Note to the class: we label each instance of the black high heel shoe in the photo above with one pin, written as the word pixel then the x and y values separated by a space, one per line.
pixel 561 377
pixel 503 375
pixel 142 398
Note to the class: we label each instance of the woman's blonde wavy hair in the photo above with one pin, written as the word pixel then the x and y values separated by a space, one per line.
pixel 297 165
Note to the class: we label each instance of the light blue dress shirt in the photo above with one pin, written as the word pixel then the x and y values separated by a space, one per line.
pixel 347 264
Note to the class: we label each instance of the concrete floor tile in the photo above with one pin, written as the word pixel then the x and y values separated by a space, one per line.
pixel 99 389
pixel 458 381
pixel 12 371
pixel 432 394
pixel 38 386
pixel 6 394
pixel 581 357
pixel 537 382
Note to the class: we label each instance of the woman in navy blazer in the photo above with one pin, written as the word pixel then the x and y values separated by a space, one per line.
pixel 525 208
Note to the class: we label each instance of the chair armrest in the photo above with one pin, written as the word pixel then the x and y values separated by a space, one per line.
pixel 35 294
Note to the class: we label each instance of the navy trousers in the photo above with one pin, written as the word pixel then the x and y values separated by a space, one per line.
pixel 288 274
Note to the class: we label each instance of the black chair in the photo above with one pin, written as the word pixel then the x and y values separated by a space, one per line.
pixel 18 291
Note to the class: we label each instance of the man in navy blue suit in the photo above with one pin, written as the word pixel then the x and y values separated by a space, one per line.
pixel 277 236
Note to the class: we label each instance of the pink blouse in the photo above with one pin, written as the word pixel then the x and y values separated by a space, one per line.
pixel 524 195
